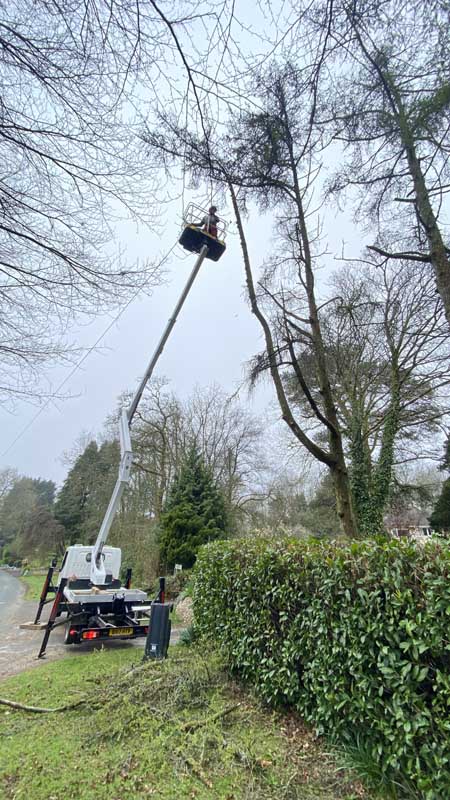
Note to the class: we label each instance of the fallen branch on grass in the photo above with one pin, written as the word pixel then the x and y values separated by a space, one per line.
pixel 189 727
pixel 38 709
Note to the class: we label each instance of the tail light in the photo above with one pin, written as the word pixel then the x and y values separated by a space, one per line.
pixel 90 635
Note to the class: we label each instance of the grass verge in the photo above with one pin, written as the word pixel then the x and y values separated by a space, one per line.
pixel 173 730
pixel 33 584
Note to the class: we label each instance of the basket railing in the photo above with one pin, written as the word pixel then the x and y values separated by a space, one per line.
pixel 194 214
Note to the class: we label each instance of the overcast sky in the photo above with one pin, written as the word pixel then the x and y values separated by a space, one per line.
pixel 214 338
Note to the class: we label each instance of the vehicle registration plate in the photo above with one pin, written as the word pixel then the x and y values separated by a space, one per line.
pixel 121 632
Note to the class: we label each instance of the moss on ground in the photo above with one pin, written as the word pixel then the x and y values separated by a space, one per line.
pixel 173 730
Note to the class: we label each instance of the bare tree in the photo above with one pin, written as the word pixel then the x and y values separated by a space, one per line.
pixel 273 155
pixel 388 356
pixel 390 102
pixel 77 79
pixel 69 164
pixel 230 437
pixel 8 477
pixel 159 442
pixel 227 436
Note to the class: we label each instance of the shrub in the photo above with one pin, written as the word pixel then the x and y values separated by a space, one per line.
pixel 176 584
pixel 354 636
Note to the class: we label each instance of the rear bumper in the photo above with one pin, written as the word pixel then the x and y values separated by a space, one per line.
pixel 80 635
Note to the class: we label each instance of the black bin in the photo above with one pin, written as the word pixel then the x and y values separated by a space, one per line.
pixel 158 635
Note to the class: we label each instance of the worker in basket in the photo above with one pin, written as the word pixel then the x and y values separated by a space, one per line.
pixel 209 222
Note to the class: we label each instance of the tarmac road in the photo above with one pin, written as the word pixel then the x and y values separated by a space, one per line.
pixel 19 648
pixel 9 590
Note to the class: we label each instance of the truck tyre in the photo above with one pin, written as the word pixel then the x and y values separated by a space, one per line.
pixel 68 639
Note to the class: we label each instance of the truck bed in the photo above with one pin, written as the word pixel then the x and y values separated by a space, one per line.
pixel 103 596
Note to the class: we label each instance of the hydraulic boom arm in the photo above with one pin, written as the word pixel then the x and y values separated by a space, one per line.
pixel 98 574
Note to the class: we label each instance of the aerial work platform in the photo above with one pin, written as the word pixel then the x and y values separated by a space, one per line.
pixel 89 590
pixel 194 235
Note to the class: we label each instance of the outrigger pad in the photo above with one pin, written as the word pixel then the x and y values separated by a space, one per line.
pixel 194 238
pixel 33 626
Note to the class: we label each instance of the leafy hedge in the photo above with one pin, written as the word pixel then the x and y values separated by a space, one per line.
pixel 356 637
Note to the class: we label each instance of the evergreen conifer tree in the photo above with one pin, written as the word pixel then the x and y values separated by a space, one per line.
pixel 194 513
pixel 440 517
pixel 84 496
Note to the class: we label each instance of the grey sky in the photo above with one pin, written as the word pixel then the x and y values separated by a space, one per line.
pixel 214 337
pixel 215 333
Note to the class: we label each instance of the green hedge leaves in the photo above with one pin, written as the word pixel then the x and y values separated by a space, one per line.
pixel 356 637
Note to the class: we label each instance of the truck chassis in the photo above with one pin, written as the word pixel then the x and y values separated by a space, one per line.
pixel 95 613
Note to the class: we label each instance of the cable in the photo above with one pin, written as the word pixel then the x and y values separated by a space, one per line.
pixel 82 360
pixel 183 210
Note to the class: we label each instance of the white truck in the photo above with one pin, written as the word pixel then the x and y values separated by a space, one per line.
pixel 88 589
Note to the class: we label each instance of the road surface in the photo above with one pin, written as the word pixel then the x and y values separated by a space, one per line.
pixel 19 648
pixel 10 590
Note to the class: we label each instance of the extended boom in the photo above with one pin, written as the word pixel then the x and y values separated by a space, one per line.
pixel 98 572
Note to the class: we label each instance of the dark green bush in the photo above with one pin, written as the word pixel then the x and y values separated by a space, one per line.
pixel 356 637
pixel 194 513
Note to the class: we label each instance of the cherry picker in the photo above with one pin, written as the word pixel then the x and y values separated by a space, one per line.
pixel 88 589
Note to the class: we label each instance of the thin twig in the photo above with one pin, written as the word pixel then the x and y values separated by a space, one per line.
pixel 193 726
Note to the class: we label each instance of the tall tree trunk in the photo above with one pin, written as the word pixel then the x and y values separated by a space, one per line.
pixel 341 480
pixel 439 256
pixel 314 449
pixel 360 473
pixel 438 252
pixel 344 500
pixel 334 459
pixel 371 484
pixel 382 476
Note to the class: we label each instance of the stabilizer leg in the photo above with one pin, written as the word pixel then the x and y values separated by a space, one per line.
pixel 45 590
pixel 53 615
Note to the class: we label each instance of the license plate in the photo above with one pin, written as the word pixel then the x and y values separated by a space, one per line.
pixel 121 632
